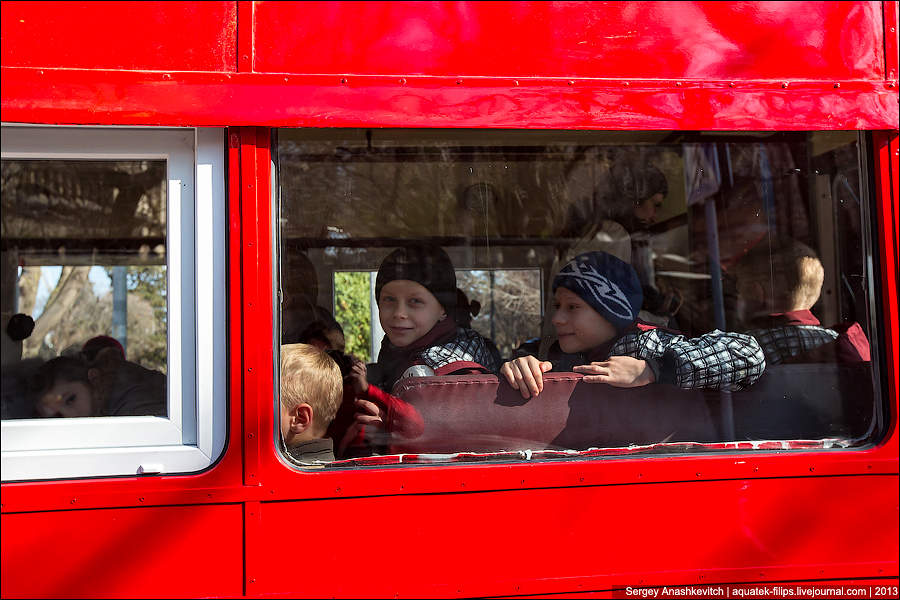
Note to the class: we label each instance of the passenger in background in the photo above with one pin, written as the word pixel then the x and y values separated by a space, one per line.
pixel 93 346
pixel 465 310
pixel 598 298
pixel 325 333
pixel 299 293
pixel 777 286
pixel 108 386
pixel 311 391
pixel 416 292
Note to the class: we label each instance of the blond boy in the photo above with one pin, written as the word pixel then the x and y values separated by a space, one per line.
pixel 778 282
pixel 311 392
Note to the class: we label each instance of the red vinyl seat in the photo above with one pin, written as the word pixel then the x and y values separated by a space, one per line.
pixel 480 414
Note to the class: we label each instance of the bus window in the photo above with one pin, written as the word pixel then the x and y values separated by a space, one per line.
pixel 113 301
pixel 729 273
pixel 86 242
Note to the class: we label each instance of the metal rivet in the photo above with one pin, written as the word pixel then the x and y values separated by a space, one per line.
pixel 402 81
pixel 678 84
pixel 459 82
pixel 141 499
pixel 837 85
pixel 571 82
pixel 784 84
pixel 732 84
pixel 626 84
pixel 343 80
pixel 250 435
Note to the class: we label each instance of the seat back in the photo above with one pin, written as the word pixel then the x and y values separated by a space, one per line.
pixel 478 413
pixel 806 401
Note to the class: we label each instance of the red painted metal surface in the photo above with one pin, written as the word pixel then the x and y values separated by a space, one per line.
pixel 136 36
pixel 886 154
pixel 644 40
pixel 490 544
pixel 201 99
pixel 690 65
pixel 478 529
pixel 173 551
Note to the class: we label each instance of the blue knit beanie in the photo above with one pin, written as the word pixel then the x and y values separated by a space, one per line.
pixel 609 285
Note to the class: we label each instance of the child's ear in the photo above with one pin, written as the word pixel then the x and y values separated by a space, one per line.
pixel 93 373
pixel 301 418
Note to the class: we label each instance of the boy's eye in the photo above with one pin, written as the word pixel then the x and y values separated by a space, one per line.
pixel 556 305
pixel 386 299
pixel 415 301
pixel 573 307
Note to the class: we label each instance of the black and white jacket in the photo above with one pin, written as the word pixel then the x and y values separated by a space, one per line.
pixel 717 360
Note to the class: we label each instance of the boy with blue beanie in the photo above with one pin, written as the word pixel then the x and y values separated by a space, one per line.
pixel 597 300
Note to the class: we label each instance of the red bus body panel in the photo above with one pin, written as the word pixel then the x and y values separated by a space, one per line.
pixel 462 530
pixel 597 65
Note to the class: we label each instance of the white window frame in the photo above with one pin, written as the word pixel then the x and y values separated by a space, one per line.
pixel 192 436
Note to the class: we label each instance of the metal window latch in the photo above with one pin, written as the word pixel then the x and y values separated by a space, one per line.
pixel 150 468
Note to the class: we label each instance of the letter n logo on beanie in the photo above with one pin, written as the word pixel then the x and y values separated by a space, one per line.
pixel 609 285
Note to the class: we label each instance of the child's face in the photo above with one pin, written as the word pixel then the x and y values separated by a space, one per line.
pixel 407 311
pixel 578 326
pixel 645 212
pixel 66 399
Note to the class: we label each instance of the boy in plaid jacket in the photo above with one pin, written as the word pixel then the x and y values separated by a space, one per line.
pixel 778 284
pixel 597 299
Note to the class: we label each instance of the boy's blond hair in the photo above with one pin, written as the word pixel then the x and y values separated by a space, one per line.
pixel 789 271
pixel 309 375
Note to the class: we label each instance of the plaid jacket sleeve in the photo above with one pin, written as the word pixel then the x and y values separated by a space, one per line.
pixel 716 360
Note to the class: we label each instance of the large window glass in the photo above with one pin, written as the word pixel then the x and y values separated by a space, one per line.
pixel 112 253
pixel 553 294
pixel 87 241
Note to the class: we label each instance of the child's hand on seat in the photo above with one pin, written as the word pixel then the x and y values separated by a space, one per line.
pixel 618 371
pixel 526 374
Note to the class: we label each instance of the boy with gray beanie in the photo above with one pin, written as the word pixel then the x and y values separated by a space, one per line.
pixel 597 300
pixel 416 293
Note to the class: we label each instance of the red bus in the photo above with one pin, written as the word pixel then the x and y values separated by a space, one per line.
pixel 187 187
